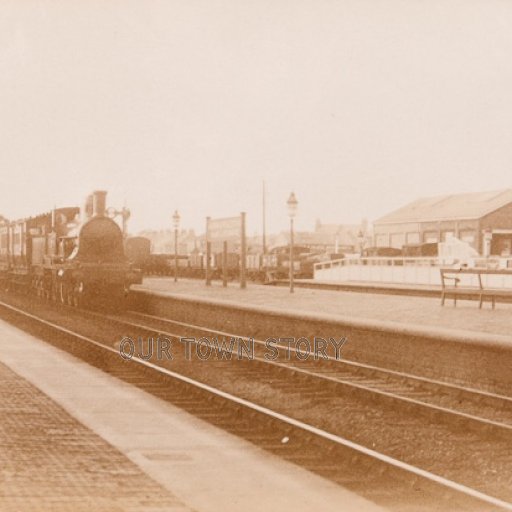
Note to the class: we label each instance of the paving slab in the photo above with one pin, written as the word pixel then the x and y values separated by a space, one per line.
pixel 50 461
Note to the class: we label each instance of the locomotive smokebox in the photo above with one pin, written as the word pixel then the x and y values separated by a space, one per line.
pixel 99 203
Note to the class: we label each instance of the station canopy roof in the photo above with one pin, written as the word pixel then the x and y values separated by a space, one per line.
pixel 469 206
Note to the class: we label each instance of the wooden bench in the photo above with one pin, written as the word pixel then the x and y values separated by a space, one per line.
pixel 450 285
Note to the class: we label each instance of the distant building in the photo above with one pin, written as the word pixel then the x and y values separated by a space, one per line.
pixel 162 242
pixel 328 238
pixel 343 237
pixel 483 219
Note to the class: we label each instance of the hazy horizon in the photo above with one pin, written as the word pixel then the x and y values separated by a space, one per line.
pixel 359 107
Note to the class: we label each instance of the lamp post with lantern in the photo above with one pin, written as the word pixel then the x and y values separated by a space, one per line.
pixel 176 225
pixel 361 240
pixel 292 204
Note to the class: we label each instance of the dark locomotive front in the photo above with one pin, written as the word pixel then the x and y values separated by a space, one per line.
pixel 96 270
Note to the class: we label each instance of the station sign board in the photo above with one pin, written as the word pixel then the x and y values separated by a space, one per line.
pixel 227 235
pixel 224 229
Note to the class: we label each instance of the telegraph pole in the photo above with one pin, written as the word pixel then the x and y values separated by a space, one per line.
pixel 264 238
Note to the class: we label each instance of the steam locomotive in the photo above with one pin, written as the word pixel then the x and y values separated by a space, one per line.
pixel 70 255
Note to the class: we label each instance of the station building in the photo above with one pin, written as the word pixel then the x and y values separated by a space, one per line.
pixel 483 219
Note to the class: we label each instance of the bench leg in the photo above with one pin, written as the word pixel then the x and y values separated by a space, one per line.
pixel 442 298
pixel 481 300
pixel 455 301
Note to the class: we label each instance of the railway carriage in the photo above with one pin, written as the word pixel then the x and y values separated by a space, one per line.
pixel 138 251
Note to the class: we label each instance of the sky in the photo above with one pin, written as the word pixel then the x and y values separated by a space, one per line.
pixel 357 106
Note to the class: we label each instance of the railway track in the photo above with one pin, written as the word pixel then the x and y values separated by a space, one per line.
pixel 371 472
pixel 438 397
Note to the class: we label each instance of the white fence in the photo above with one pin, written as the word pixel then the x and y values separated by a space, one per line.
pixel 400 270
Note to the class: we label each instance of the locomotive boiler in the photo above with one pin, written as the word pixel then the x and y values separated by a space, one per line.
pixel 70 255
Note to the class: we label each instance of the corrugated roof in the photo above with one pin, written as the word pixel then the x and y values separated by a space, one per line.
pixel 452 207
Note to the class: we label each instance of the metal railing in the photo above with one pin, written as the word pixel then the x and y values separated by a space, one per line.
pixel 405 270
pixel 397 261
pixel 421 261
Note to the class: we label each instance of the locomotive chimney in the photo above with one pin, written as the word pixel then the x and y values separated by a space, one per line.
pixel 99 201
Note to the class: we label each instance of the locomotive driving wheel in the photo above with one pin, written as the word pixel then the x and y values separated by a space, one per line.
pixel 69 294
pixel 40 288
pixel 77 296
pixel 61 292
pixel 64 293
pixel 51 290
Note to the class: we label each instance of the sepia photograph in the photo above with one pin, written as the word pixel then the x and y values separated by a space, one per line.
pixel 256 255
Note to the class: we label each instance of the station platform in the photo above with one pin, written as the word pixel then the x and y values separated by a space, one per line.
pixel 417 290
pixel 73 438
pixel 50 461
pixel 423 312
